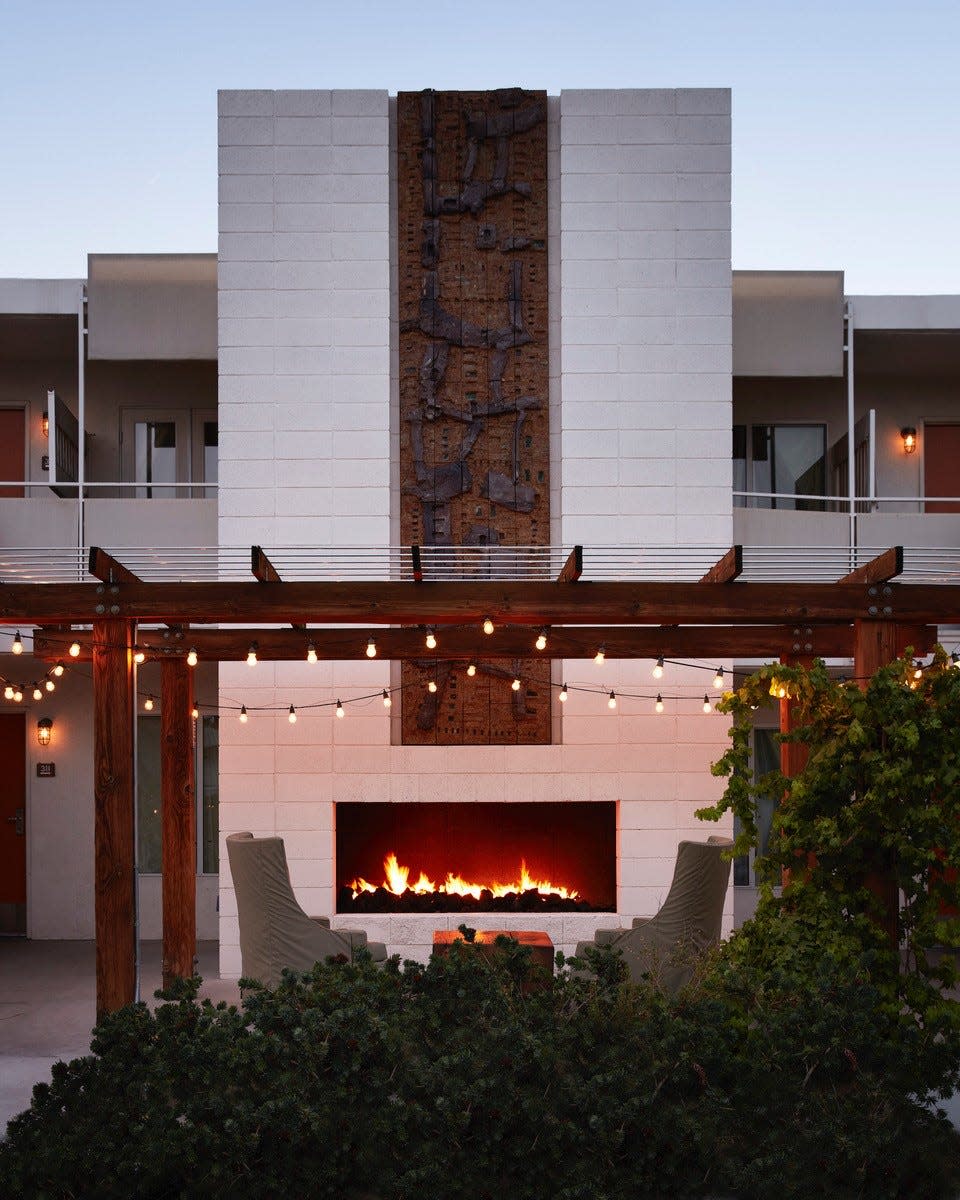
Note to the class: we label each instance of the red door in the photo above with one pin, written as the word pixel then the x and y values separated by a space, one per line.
pixel 941 465
pixel 12 430
pixel 13 832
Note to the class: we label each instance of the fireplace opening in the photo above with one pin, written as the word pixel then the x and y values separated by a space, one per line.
pixel 450 857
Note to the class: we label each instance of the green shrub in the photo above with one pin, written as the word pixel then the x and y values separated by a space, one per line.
pixel 782 1071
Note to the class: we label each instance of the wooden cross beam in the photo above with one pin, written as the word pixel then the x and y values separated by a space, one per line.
pixel 726 569
pixel 262 567
pixel 105 567
pixel 884 567
pixel 572 569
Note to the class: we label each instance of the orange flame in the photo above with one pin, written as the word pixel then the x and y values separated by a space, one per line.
pixel 396 880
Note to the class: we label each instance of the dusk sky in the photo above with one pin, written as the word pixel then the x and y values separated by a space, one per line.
pixel 846 150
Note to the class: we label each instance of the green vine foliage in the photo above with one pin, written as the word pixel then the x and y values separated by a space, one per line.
pixel 875 813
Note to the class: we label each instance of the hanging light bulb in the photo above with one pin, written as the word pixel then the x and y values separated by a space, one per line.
pixel 37 694
pixel 292 715
pixel 471 669
pixel 74 649
pixel 612 702
pixel 311 653
pixel 707 706
pixel 487 625
pixel 387 702
pixel 243 714
pixel 541 642
pixel 17 694
pixel 516 685
pixel 191 657
pixel 658 668
pixel 658 707
pixel 600 655
pixel 50 685
pixel 431 639
pixel 432 685
pixel 372 648
pixel 918 671
pixel 138 657
pixel 194 712
pixel 563 694
pixel 8 692
pixel 252 655
pixel 148 704
pixel 718 678
pixel 17 646
pixel 59 669
pixel 339 710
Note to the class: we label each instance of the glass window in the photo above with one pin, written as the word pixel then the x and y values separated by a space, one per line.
pixel 788 461
pixel 208 790
pixel 765 758
pixel 155 455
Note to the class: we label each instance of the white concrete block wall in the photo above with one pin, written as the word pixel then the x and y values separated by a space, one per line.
pixel 639 391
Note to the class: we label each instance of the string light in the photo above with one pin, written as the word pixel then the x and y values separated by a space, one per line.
pixel 707 706
pixel 718 678
pixel 471 669
pixel 658 669
pixel 311 653
pixel 541 642
pixel 191 657
pixel 252 655
pixel 918 672
pixel 194 712
pixel 17 694
pixel 339 710
pixel 516 685
pixel 243 714
pixel 563 694
pixel 432 685
pixel 148 704
pixel 37 694
pixel 372 648
pixel 598 658
pixel 139 657
pixel 74 649
pixel 17 646
pixel 431 639
pixel 386 699
pixel 659 704
pixel 8 692
pixel 58 669
pixel 292 715
pixel 612 702
pixel 50 685
pixel 487 625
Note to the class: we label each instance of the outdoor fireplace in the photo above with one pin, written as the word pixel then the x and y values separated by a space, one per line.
pixel 487 857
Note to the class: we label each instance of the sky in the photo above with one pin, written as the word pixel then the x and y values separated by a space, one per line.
pixel 846 142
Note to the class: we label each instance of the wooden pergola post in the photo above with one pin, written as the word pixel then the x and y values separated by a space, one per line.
pixel 178 820
pixel 114 850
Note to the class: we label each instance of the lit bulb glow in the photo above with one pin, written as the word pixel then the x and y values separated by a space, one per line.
pixel 707 706
pixel 432 685
pixel 311 653
pixel 252 655
pixel 659 704
pixel 612 702
pixel 243 714
pixel 17 646
pixel 148 704
pixel 139 657
pixel 50 685
pixel 18 695
pixel 59 669
pixel 718 678
pixel 371 649
pixel 600 656
pixel 658 668
pixel 563 694
pixel 37 694
pixel 541 642
pixel 292 715
pixel 918 672
pixel 516 685
pixel 8 692
pixel 74 649
pixel 387 702
pixel 191 657
pixel 431 640
pixel 487 626
pixel 339 710
pixel 194 712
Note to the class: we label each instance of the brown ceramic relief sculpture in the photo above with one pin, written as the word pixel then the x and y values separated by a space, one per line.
pixel 474 444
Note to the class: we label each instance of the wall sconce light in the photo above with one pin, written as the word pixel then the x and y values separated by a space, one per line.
pixel 45 425
pixel 909 435
pixel 44 731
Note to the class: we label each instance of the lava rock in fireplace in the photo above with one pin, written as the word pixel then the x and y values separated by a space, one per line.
pixel 384 901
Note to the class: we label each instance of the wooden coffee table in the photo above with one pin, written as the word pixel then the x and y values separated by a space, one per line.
pixel 541 947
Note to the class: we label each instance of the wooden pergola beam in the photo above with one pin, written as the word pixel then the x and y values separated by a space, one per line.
pixel 105 567
pixel 572 569
pixel 507 602
pixel 508 642
pixel 261 566
pixel 882 569
pixel 726 569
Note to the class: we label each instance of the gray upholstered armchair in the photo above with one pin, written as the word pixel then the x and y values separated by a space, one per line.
pixel 665 948
pixel 275 932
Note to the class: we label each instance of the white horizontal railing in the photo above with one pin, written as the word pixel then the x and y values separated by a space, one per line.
pixel 844 501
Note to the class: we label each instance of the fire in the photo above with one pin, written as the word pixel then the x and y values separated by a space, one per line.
pixel 396 879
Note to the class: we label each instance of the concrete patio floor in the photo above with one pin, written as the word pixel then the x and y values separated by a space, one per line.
pixel 48 1005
